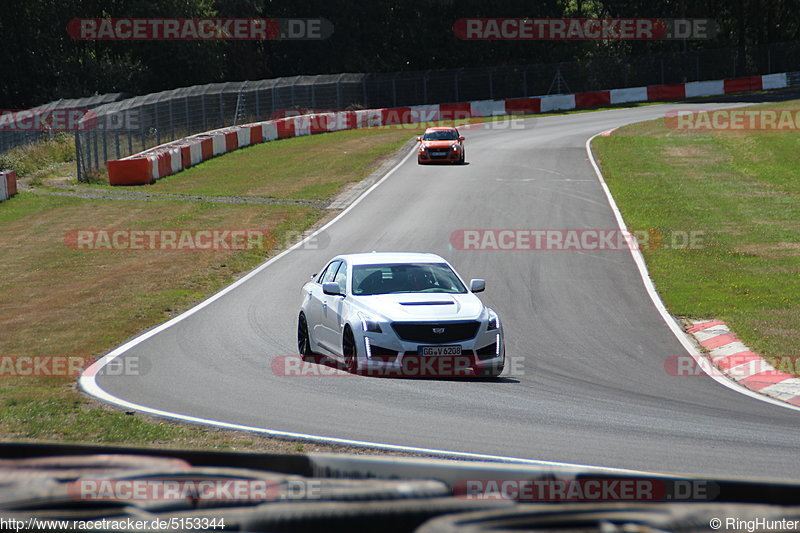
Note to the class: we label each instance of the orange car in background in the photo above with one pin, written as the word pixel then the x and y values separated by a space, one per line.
pixel 440 144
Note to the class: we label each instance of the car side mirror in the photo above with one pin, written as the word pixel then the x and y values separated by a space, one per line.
pixel 314 275
pixel 419 139
pixel 477 285
pixel 332 288
pixel 461 138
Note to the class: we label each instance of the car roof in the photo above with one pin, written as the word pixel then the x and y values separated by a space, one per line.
pixel 440 128
pixel 380 258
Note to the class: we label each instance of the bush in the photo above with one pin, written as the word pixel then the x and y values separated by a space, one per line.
pixel 35 157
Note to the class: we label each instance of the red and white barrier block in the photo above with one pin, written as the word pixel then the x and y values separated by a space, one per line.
pixel 8 184
pixel 737 362
pixel 170 158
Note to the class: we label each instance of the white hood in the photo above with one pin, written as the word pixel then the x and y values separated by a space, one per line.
pixel 424 306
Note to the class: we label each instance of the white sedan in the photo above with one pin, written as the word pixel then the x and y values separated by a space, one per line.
pixel 405 314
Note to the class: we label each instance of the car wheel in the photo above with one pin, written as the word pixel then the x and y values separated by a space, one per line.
pixel 349 351
pixel 303 340
pixel 492 371
pixel 463 158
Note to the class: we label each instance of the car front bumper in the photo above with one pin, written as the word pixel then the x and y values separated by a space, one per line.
pixel 385 353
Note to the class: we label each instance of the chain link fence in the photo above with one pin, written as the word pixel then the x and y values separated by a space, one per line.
pixel 128 126
pixel 18 128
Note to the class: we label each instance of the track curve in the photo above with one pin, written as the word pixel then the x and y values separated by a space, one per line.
pixel 593 389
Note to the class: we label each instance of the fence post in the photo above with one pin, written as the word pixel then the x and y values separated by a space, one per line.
pixel 78 156
pixel 105 145
pixel 141 133
pixel 96 150
pixel 221 110
pixel 339 92
pixel 171 121
pixel 158 126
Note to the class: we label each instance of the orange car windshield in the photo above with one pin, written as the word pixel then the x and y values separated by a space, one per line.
pixel 443 135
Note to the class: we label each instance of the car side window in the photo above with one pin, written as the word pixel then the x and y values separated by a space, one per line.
pixel 330 272
pixel 341 278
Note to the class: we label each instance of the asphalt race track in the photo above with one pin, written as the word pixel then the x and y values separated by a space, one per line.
pixel 591 387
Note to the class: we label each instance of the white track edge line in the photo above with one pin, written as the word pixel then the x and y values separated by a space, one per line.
pixel 679 333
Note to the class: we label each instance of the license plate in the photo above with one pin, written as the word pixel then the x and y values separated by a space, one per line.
pixel 440 350
pixel 438 153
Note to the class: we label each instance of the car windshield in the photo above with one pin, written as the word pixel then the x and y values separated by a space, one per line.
pixel 440 135
pixel 405 277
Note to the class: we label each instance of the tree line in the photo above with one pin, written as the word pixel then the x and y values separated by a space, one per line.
pixel 40 62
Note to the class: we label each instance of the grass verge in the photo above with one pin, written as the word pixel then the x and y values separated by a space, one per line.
pixel 62 301
pixel 42 160
pixel 740 189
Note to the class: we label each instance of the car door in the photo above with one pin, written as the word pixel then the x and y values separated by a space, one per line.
pixel 334 311
pixel 317 305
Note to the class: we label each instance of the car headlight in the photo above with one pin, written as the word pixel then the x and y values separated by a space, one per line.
pixel 369 323
pixel 423 148
pixel 494 321
pixel 455 147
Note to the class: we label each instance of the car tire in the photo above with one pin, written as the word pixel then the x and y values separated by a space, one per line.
pixel 492 371
pixel 304 340
pixel 349 351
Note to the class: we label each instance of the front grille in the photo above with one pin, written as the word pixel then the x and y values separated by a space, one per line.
pixel 424 331
pixel 487 352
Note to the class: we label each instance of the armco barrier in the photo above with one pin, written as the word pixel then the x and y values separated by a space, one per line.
pixel 170 158
pixel 8 184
